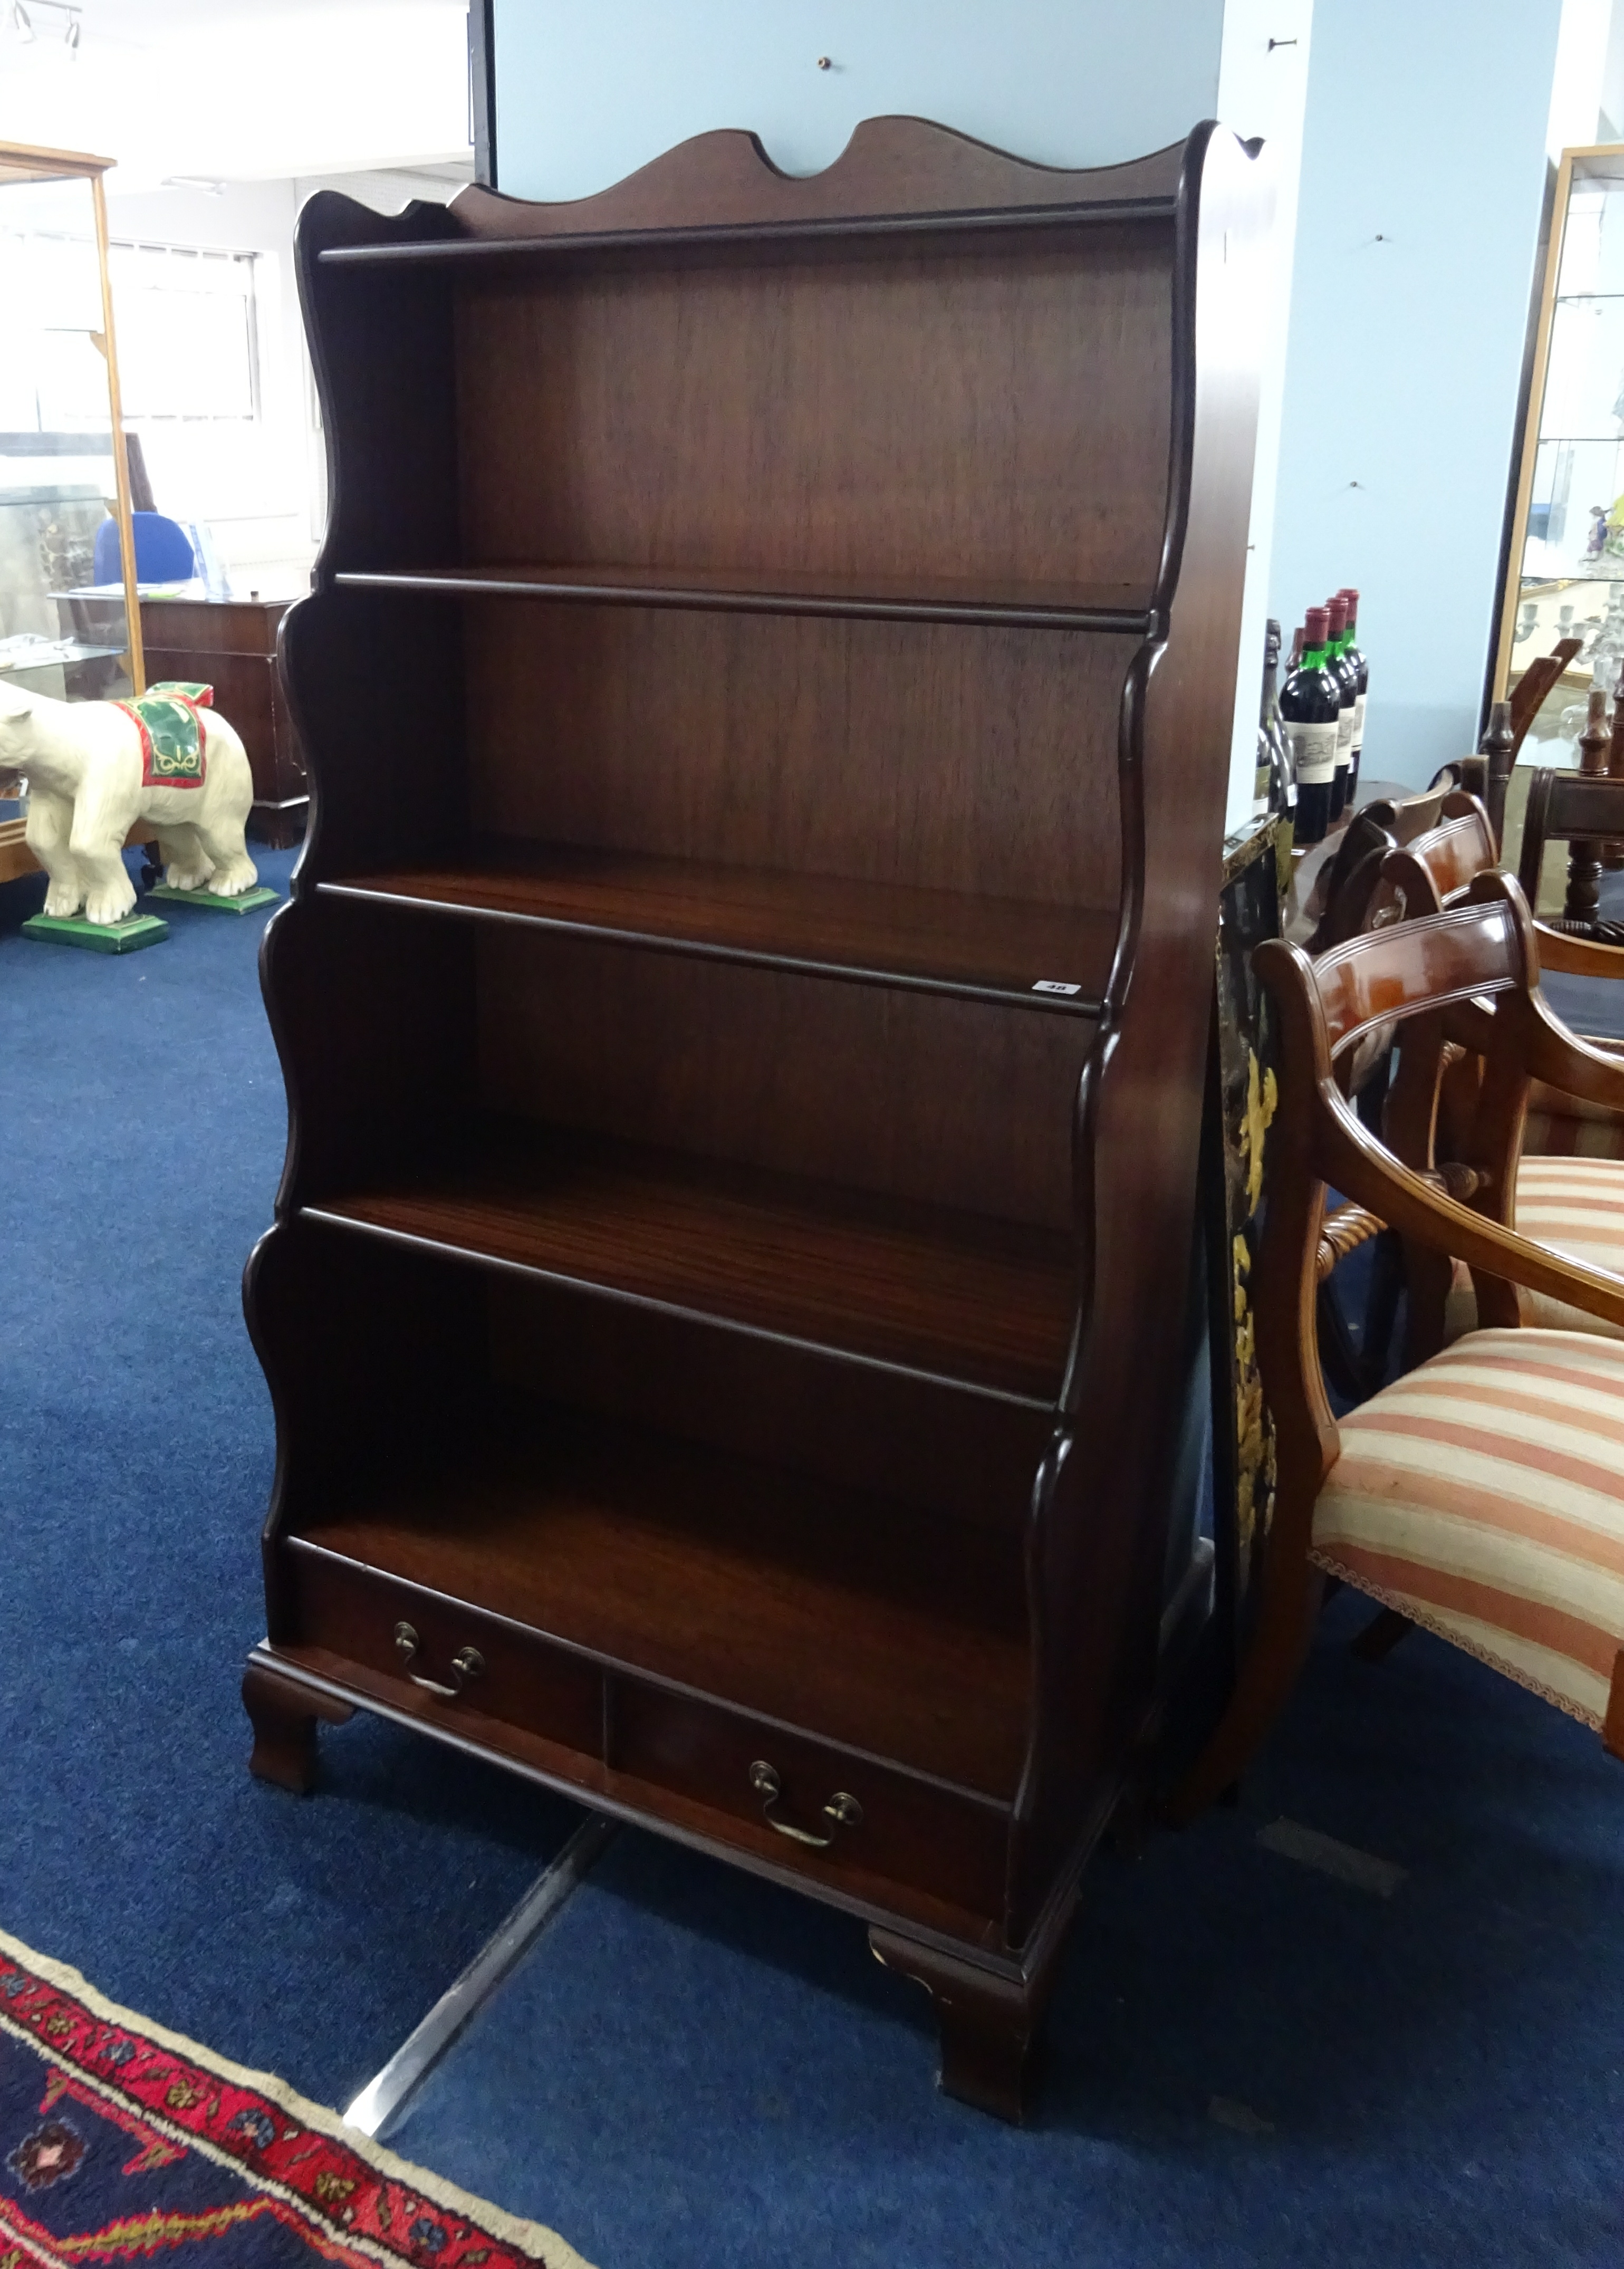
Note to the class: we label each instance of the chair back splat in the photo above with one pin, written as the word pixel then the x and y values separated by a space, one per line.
pixel 1444 1102
pixel 1425 876
pixel 1448 840
pixel 1391 973
pixel 1373 831
pixel 1535 682
pixel 1586 810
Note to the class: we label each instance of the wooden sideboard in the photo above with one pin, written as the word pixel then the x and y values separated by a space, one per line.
pixel 745 1002
pixel 231 644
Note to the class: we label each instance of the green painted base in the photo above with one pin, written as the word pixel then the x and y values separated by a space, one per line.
pixel 247 902
pixel 127 937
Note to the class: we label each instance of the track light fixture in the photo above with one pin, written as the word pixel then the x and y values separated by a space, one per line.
pixel 22 22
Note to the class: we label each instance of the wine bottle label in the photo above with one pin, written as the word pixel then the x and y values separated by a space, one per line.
pixel 1313 753
pixel 1359 702
pixel 1345 739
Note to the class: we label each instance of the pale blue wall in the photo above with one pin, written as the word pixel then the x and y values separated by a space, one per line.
pixel 1426 127
pixel 588 90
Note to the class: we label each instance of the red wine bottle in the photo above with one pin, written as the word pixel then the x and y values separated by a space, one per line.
pixel 1341 789
pixel 1310 707
pixel 1353 654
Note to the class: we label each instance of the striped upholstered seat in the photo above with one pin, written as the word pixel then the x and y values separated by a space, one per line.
pixel 1564 1126
pixel 1576 1206
pixel 1482 1495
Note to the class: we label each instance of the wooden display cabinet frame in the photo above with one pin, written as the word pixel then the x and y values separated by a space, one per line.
pixel 20 161
pixel 744 999
pixel 1603 160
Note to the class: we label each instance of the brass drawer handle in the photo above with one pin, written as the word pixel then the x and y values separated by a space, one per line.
pixel 467 1663
pixel 841 1811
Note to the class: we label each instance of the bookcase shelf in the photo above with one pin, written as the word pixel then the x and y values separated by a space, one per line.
pixel 1001 950
pixel 509 251
pixel 980 1303
pixel 588 1535
pixel 744 1002
pixel 1030 607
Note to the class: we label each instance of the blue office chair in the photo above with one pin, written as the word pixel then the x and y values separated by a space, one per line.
pixel 163 550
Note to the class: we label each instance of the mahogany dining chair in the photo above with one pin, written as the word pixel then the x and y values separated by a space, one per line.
pixel 1481 1494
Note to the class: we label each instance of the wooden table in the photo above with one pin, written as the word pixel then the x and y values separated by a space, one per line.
pixel 231 644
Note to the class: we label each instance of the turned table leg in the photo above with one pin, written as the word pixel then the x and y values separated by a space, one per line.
pixel 988 2023
pixel 284 1716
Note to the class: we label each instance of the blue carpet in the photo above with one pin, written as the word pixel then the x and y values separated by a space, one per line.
pixel 141 1124
pixel 1251 2062
pixel 1589 1004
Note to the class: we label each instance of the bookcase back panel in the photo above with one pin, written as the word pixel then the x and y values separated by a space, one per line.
pixel 999 413
pixel 935 755
pixel 948 1101
pixel 965 1457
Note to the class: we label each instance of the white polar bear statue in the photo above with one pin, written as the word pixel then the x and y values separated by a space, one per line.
pixel 91 774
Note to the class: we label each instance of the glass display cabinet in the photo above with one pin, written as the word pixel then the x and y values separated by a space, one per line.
pixel 66 630
pixel 1565 578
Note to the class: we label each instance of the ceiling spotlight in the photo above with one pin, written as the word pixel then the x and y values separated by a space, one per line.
pixel 22 21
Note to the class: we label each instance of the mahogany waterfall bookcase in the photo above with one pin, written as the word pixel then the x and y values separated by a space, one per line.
pixel 743 1002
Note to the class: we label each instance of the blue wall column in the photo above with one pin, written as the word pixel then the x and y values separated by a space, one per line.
pixel 1423 177
pixel 586 93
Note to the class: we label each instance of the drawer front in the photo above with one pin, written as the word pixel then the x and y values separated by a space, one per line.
pixel 909 1832
pixel 356 1611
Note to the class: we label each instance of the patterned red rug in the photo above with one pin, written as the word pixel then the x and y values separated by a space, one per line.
pixel 120 2141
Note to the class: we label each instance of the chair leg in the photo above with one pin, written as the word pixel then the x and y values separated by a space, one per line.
pixel 1613 1725
pixel 1376 1641
pixel 1428 1278
pixel 1279 1646
pixel 1341 1358
pixel 1382 1308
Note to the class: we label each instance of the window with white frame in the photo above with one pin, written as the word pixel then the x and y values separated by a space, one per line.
pixel 187 330
pixel 188 336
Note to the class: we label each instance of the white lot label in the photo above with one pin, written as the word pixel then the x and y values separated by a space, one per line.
pixel 1053 985
pixel 1313 754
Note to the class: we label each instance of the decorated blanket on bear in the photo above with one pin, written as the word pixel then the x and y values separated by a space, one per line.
pixel 172 739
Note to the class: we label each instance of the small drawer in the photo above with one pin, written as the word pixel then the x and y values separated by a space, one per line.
pixel 906 1831
pixel 364 1615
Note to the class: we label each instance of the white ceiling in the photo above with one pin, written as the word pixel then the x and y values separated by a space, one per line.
pixel 241 90
pixel 147 22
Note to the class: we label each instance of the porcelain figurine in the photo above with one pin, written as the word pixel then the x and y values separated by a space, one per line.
pixel 95 768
